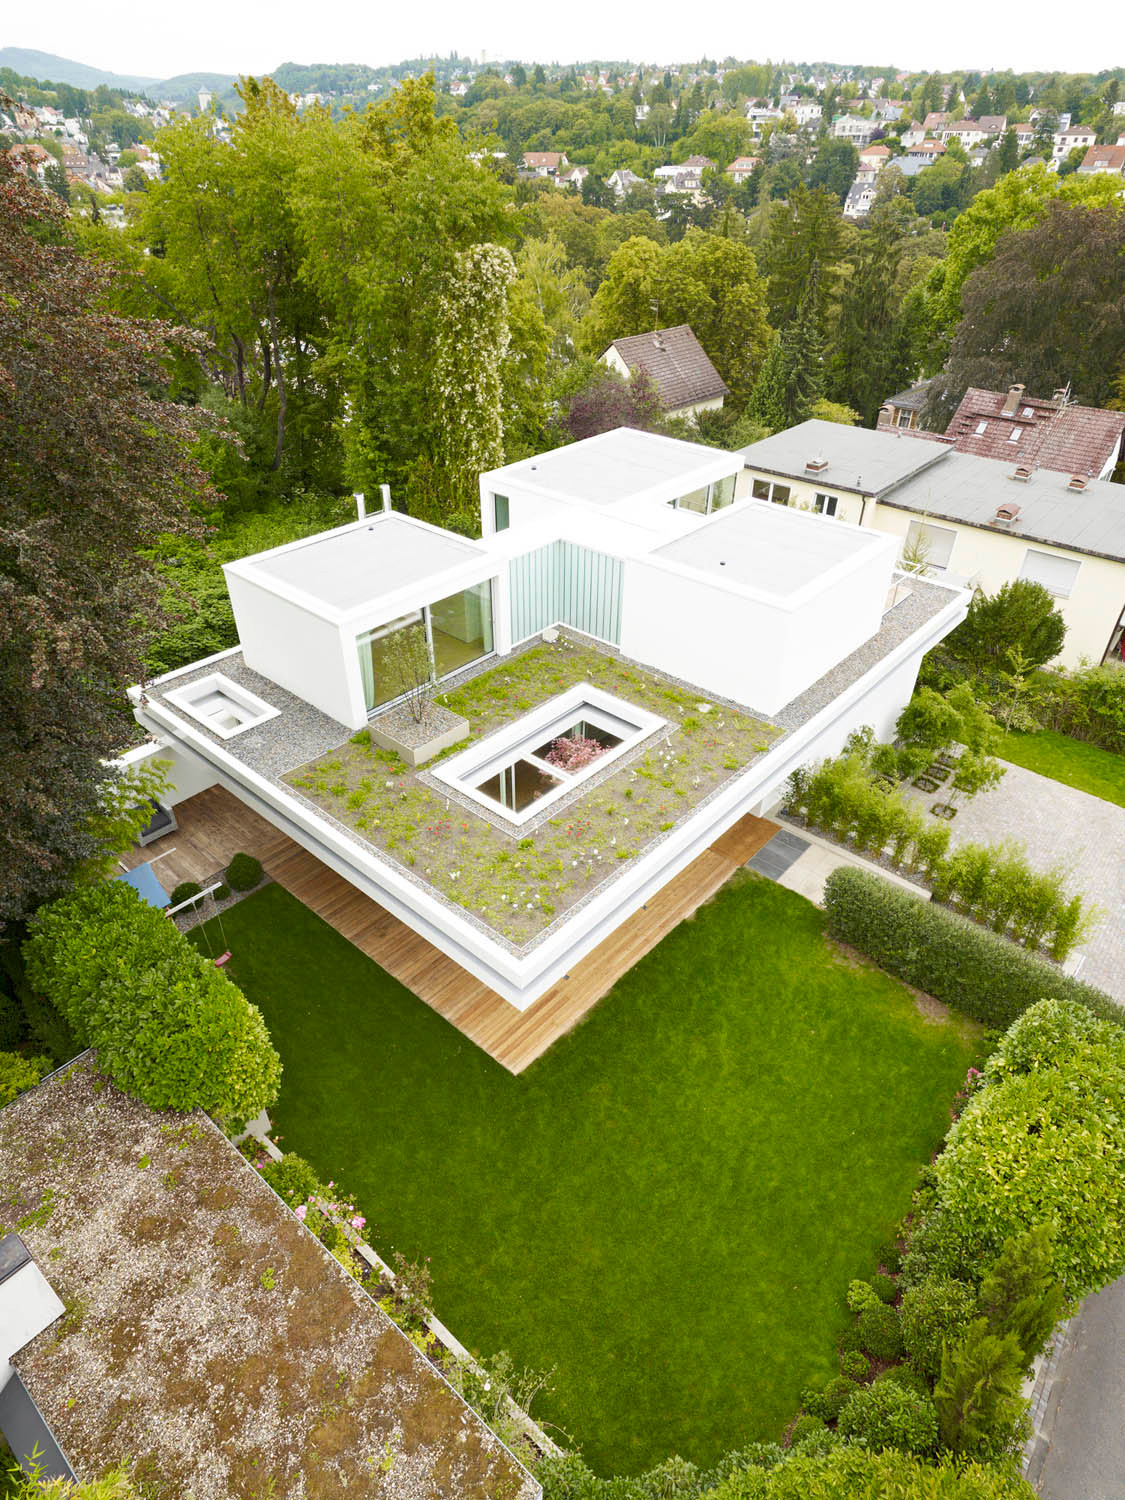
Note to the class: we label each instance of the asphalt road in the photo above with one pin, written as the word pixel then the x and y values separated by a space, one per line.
pixel 1086 1456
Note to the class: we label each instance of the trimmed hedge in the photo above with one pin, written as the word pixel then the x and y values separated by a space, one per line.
pixel 170 1028
pixel 967 967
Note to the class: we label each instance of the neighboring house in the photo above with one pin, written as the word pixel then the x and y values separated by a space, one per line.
pixel 674 360
pixel 742 168
pixel 31 159
pixel 974 132
pixel 983 522
pixel 545 163
pixel 1104 159
pixel 1119 107
pixel 926 152
pixel 872 160
pixel 1046 433
pixel 854 128
pixel 905 409
pixel 574 178
pixel 935 122
pixel 622 180
pixel 639 545
pixel 913 135
pixel 1065 141
pixel 206 1332
pixel 860 197
pixel 807 112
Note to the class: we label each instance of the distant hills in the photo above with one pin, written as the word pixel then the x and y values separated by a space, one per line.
pixel 45 65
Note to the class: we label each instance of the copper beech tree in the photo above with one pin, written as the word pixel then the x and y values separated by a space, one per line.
pixel 94 463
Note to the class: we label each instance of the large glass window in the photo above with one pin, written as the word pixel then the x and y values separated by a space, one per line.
pixel 708 497
pixel 447 635
pixel 386 655
pixel 825 505
pixel 722 492
pixel 461 628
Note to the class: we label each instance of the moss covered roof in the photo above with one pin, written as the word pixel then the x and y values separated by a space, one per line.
pixel 209 1338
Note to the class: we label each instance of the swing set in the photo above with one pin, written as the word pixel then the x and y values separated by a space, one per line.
pixel 223 958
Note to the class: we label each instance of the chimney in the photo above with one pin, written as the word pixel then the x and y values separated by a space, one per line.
pixel 1022 474
pixel 1005 515
pixel 1012 400
pixel 1059 398
pixel 1077 482
pixel 817 465
pixel 360 506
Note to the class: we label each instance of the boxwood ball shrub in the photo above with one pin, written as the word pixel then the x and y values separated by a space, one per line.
pixel 937 1309
pixel 879 1332
pixel 805 1427
pixel 170 1028
pixel 292 1178
pixel 886 1289
pixel 244 872
pixel 855 1365
pixel 967 967
pixel 887 1415
pixel 905 1376
pixel 184 891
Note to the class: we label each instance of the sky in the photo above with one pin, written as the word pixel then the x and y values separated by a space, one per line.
pixel 237 36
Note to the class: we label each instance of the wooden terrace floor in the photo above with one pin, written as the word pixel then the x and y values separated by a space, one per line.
pixel 214 825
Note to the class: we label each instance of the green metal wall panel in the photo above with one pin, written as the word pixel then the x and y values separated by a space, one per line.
pixel 567 584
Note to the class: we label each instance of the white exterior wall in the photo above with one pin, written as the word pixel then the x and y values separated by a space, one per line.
pixel 803 493
pixel 298 649
pixel 994 558
pixel 186 775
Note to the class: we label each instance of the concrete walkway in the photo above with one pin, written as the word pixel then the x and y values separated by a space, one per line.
pixel 1059 825
pixel 1078 1452
pixel 802 861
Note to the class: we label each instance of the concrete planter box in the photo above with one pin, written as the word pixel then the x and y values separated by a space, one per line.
pixel 418 743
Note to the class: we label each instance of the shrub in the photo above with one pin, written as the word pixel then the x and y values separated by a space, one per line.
pixel 879 1332
pixel 13 1024
pixel 184 891
pixel 887 1415
pixel 169 1028
pixel 907 1377
pixel 847 1472
pixel 856 1366
pixel 890 1256
pixel 184 1037
pixel 244 872
pixel 937 1309
pixel 1049 1033
pixel 1043 1146
pixel 221 892
pixel 18 1073
pixel 804 1427
pixel 292 1179
pixel 884 1287
pixel 978 1396
pixel 826 1401
pixel 1020 1295
pixel 861 1295
pixel 935 950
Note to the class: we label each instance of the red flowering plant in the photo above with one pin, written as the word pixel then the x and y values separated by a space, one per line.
pixel 572 754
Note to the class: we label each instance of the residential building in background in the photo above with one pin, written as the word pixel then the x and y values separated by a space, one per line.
pixel 675 361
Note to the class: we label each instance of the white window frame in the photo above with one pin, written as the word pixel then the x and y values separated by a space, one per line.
pixel 826 505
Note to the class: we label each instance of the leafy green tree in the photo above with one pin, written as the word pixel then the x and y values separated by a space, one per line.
pixel 980 1406
pixel 95 462
pixel 134 180
pixel 54 178
pixel 1020 616
pixel 834 167
pixel 706 281
pixel 1046 311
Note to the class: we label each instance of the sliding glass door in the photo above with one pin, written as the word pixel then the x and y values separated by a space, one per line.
pixel 451 633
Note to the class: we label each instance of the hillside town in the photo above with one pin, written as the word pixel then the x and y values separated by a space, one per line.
pixel 562 776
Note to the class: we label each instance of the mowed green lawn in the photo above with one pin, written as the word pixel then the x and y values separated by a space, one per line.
pixel 667 1208
pixel 1074 762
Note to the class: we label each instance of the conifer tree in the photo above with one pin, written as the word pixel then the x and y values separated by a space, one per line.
pixel 978 1394
pixel 792 377
pixel 1020 1294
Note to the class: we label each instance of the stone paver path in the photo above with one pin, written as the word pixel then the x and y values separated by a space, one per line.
pixel 1059 825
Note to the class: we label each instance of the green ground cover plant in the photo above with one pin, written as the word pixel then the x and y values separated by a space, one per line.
pixel 1074 762
pixel 517 880
pixel 670 1205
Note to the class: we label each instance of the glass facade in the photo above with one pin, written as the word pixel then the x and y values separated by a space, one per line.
pixel 447 635
pixel 710 497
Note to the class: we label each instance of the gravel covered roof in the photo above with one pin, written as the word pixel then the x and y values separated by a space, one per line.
pixel 209 1338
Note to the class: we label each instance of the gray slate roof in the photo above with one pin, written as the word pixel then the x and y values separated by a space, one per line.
pixel 962 487
pixel 675 361
pixel 865 462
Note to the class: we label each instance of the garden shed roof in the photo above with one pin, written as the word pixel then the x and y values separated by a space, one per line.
pixel 209 1336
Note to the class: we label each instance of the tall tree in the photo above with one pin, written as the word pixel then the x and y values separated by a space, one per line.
pixel 871 354
pixel 807 231
pixel 95 464
pixel 792 378
pixel 1047 311
pixel 834 167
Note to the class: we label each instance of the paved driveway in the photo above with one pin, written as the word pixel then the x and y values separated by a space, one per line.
pixel 1059 825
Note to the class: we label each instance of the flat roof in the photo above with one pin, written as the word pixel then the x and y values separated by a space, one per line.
pixel 969 489
pixel 615 465
pixel 344 569
pixel 210 1336
pixel 767 547
pixel 858 459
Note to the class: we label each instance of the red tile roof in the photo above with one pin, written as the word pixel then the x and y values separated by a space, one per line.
pixel 1070 439
pixel 1104 159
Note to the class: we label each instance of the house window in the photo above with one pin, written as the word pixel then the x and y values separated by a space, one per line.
pixel 722 493
pixel 764 489
pixel 825 505
pixel 780 495
pixel 451 633
pixel 461 628
pixel 904 418
pixel 1056 574
pixel 696 501
pixel 982 428
pixel 928 547
pixel 500 518
pixel 377 664
pixel 708 498
pixel 761 489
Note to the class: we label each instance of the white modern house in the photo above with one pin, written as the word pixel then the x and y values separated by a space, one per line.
pixel 975 522
pixel 649 550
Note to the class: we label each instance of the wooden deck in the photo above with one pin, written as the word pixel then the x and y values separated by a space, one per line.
pixel 214 826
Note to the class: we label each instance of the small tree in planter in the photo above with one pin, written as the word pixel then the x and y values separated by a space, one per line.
pixel 408 657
